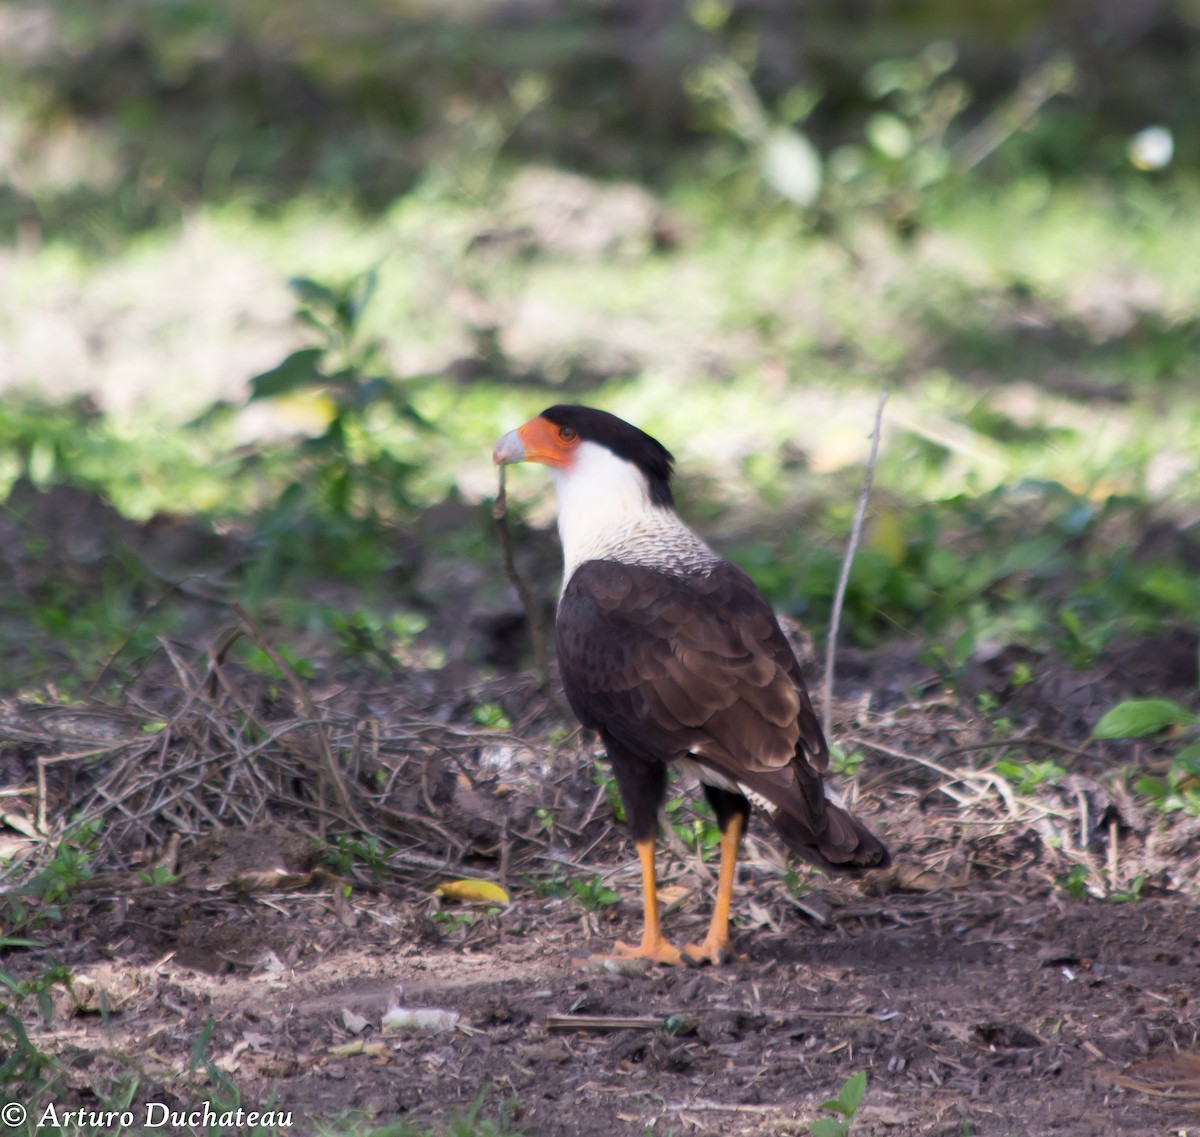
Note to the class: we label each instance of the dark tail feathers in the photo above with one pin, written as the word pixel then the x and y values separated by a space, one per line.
pixel 846 844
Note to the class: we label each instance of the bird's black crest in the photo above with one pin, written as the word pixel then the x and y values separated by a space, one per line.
pixel 625 441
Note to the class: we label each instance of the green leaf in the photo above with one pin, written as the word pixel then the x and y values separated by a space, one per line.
pixel 1136 718
pixel 1186 764
pixel 851 1094
pixel 889 135
pixel 828 1127
pixel 8 942
pixel 311 291
pixel 299 370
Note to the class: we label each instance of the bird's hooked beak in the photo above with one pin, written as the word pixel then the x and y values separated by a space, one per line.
pixel 539 440
pixel 509 449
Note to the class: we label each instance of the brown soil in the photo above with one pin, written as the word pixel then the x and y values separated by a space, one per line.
pixel 978 995
pixel 991 1011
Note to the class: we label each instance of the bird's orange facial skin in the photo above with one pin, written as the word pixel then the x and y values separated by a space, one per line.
pixel 548 443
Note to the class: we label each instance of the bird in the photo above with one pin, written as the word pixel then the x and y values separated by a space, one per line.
pixel 675 658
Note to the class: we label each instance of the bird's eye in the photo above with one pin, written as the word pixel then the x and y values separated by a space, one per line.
pixel 567 433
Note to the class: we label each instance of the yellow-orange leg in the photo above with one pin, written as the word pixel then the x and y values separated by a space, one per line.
pixel 718 947
pixel 653 946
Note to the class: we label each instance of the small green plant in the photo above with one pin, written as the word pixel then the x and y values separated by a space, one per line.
pixel 259 661
pixel 843 764
pixel 1082 641
pixel 1132 894
pixel 1179 788
pixel 25 1071
pixel 349 851
pixel 38 989
pixel 43 895
pixel 845 1104
pixel 699 830
pixel 491 716
pixel 1021 675
pixel 904 152
pixel 1028 776
pixel 1075 883
pixel 546 821
pixel 159 875
pixel 347 480
pixel 612 794
pixel 363 635
pixel 452 921
pixel 548 888
pixel 594 893
pixel 795 884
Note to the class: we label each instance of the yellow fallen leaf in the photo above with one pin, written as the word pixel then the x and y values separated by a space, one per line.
pixel 477 891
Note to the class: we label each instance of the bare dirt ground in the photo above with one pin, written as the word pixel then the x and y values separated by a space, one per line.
pixel 978 994
pixel 1001 1011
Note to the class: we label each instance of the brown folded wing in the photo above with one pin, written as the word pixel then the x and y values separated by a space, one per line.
pixel 698 665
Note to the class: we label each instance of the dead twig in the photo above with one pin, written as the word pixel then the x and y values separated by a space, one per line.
pixel 835 616
pixel 985 778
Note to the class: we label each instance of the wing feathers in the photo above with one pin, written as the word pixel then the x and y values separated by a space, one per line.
pixel 669 666
pixel 706 653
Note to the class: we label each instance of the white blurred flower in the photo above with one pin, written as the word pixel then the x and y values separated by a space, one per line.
pixel 1152 148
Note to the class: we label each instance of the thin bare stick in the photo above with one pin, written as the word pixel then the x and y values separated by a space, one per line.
pixel 602 1024
pixel 533 614
pixel 835 617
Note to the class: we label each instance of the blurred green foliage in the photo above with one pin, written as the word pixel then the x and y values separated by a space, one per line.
pixel 1026 562
pixel 345 482
pixel 168 104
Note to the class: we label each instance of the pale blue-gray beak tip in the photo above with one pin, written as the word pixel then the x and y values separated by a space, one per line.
pixel 509 449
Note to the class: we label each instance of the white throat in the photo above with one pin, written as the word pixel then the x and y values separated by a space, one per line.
pixel 605 513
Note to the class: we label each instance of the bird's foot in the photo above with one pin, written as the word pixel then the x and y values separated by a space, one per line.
pixel 656 950
pixel 716 950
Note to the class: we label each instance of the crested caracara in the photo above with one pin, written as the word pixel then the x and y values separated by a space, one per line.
pixel 673 655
